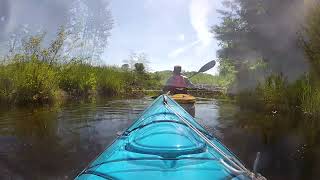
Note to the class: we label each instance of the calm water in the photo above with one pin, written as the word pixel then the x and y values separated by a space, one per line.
pixel 58 142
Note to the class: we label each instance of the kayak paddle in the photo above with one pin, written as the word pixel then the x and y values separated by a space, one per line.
pixel 205 68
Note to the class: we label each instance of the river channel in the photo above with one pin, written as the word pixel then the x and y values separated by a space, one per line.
pixel 58 142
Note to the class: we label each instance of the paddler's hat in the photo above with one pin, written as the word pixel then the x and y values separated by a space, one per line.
pixel 177 70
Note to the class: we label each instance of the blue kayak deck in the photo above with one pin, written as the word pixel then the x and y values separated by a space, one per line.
pixel 159 145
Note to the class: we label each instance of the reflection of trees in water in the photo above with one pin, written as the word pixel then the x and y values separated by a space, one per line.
pixel 57 142
pixel 37 149
pixel 289 143
pixel 24 129
pixel 40 149
pixel 39 123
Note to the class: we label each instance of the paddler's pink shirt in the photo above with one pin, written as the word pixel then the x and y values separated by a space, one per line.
pixel 179 81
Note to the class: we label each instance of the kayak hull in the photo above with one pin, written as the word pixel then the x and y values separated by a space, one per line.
pixel 184 98
pixel 159 145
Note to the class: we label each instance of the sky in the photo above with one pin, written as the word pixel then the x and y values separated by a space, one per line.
pixel 170 32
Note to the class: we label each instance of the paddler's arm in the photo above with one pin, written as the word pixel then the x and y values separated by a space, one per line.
pixel 168 85
pixel 189 83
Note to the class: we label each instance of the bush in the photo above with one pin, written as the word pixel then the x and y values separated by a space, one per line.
pixel 110 81
pixel 28 82
pixel 78 79
pixel 277 95
pixel 37 74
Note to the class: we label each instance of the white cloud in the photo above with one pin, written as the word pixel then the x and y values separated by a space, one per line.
pixel 181 37
pixel 199 11
pixel 181 50
pixel 148 3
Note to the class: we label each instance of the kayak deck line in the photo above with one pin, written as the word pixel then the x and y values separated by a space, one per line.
pixel 241 169
pixel 166 142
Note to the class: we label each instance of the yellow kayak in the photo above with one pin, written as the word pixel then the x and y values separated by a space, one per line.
pixel 184 98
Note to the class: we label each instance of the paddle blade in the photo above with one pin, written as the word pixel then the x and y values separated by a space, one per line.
pixel 207 66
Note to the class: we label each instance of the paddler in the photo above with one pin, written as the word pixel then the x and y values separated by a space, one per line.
pixel 177 83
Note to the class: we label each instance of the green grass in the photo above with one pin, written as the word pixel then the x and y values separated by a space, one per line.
pixel 37 74
pixel 28 82
pixel 277 95
pixel 40 75
pixel 27 79
pixel 77 79
pixel 38 82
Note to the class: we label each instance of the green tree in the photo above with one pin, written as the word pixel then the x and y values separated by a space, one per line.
pixel 137 58
pixel 256 32
pixel 89 27
pixel 125 66
pixel 139 68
